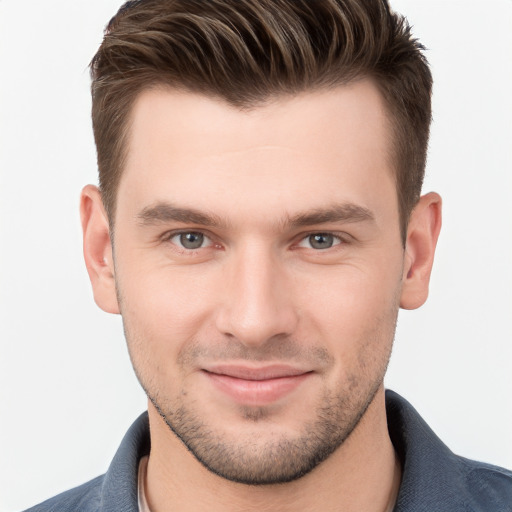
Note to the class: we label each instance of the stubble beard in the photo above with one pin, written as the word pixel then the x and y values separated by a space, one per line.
pixel 279 460
pixel 282 458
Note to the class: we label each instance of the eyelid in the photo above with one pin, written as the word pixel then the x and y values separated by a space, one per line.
pixel 169 235
pixel 342 238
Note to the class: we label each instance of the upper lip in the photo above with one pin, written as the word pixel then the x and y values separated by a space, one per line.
pixel 274 371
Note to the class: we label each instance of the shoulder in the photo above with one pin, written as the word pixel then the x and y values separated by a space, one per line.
pixel 433 477
pixel 114 491
pixel 84 498
pixel 488 487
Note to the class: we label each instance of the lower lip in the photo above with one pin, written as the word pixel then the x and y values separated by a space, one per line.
pixel 256 392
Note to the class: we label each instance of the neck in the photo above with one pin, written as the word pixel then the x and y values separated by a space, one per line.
pixel 362 474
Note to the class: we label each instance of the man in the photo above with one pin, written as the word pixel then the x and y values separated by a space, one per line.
pixel 258 225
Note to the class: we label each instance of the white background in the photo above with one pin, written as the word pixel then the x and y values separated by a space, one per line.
pixel 67 393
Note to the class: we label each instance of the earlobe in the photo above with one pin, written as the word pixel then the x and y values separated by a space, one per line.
pixel 98 249
pixel 422 234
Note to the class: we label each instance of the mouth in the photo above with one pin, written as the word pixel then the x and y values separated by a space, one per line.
pixel 256 386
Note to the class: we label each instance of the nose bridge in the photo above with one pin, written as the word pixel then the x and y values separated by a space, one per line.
pixel 257 303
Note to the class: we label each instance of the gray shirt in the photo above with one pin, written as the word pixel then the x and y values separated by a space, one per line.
pixel 433 480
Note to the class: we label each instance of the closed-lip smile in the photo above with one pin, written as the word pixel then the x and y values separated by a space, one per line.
pixel 256 386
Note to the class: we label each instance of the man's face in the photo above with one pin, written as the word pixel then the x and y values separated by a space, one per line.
pixel 258 265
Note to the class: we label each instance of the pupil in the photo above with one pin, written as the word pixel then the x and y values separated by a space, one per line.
pixel 191 240
pixel 321 241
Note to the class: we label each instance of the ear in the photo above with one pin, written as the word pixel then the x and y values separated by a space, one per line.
pixel 422 235
pixel 98 249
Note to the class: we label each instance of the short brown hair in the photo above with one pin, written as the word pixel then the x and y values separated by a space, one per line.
pixel 246 51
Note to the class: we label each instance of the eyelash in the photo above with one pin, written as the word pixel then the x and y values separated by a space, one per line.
pixel 339 239
pixel 167 237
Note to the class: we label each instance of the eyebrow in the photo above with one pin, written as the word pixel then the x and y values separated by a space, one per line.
pixel 165 212
pixel 347 213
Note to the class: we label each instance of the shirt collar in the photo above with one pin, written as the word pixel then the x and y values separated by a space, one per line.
pixel 433 478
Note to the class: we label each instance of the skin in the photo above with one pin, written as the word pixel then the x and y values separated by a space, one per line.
pixel 257 295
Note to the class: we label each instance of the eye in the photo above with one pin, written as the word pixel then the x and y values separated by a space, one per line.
pixel 190 240
pixel 320 241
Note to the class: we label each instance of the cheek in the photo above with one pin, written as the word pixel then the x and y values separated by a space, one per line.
pixel 162 310
pixel 354 306
pixel 356 323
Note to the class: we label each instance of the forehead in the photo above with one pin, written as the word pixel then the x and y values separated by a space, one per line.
pixel 326 144
pixel 314 117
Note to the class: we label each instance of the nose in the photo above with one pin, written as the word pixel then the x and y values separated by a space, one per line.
pixel 258 300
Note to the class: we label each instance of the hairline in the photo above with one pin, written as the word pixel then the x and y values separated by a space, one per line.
pixel 391 120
